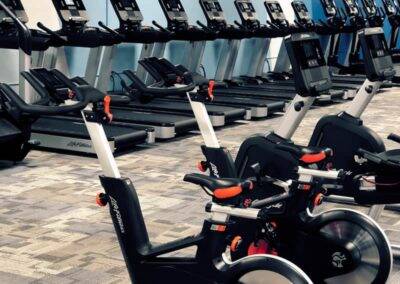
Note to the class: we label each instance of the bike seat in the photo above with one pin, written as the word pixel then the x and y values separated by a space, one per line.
pixel 307 155
pixel 220 188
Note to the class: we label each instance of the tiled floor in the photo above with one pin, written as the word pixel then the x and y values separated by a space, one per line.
pixel 51 231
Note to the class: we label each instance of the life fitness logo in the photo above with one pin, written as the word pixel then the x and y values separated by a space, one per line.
pixel 115 208
pixel 337 259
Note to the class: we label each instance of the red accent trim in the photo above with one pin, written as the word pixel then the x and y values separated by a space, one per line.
pixel 313 158
pixel 211 85
pixel 229 192
pixel 201 166
pixel 220 228
pixel 251 187
pixel 99 200
pixel 258 247
pixel 318 199
pixel 235 243
pixel 107 108
pixel 306 187
pixel 71 94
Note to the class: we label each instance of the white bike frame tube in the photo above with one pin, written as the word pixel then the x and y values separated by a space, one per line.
pixel 319 174
pixel 102 148
pixel 364 96
pixel 292 117
pixel 248 213
pixel 204 123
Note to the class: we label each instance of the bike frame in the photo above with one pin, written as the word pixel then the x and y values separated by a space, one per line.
pixel 146 263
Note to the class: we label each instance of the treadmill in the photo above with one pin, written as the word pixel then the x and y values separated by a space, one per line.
pixel 75 32
pixel 304 21
pixel 352 70
pixel 119 136
pixel 197 37
pixel 231 35
pixel 131 30
pixel 250 85
pixel 68 132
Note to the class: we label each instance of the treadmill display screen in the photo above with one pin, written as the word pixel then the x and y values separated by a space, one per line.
pixel 370 7
pixel 377 45
pixel 174 6
pixel 330 7
pixel 127 5
pixel 310 53
pixel 351 7
pixel 275 7
pixel 69 4
pixel 246 7
pixel 300 7
pixel 212 6
pixel 389 7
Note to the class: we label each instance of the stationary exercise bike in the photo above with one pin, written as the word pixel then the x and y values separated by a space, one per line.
pixel 345 132
pixel 290 221
pixel 145 262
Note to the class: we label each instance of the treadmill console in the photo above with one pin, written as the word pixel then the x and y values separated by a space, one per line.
pixel 330 8
pixel 275 12
pixel 71 12
pixel 391 8
pixel 378 61
pixel 301 11
pixel 17 8
pixel 213 12
pixel 351 8
pixel 310 72
pixel 370 7
pixel 128 12
pixel 246 11
pixel 174 12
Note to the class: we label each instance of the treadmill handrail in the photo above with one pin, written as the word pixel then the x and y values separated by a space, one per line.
pixel 24 34
pixel 141 87
pixel 41 109
pixel 41 26
pixel 38 87
pixel 111 31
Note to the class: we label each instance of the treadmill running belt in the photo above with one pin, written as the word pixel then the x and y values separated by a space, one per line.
pixel 73 127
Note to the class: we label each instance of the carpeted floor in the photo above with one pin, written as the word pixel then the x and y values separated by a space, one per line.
pixel 53 232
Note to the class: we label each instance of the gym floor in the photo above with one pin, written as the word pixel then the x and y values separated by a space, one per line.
pixel 53 232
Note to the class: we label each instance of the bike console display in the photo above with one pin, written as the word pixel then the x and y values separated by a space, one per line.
pixel 378 62
pixel 71 12
pixel 275 12
pixel 128 12
pixel 16 7
pixel 309 68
